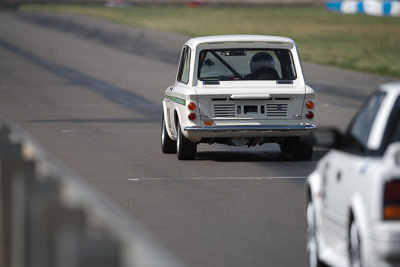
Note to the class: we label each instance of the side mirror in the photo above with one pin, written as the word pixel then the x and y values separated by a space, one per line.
pixel 327 138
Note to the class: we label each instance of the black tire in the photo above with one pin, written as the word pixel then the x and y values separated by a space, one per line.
pixel 168 146
pixel 303 150
pixel 186 149
pixel 287 147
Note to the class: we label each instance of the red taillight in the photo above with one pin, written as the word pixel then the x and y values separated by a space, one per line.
pixel 391 202
pixel 192 106
pixel 310 104
pixel 309 115
pixel 192 116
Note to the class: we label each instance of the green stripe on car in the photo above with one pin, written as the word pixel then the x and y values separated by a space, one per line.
pixel 176 99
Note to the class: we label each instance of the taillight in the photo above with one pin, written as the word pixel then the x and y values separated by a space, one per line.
pixel 310 115
pixel 192 116
pixel 192 106
pixel 391 201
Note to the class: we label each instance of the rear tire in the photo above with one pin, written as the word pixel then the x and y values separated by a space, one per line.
pixel 287 146
pixel 186 149
pixel 168 146
pixel 303 150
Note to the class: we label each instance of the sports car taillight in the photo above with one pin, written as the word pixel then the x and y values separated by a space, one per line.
pixel 391 201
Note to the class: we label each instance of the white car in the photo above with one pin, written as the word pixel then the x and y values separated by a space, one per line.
pixel 238 90
pixel 353 195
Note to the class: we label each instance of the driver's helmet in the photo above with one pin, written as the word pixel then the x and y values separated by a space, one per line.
pixel 261 60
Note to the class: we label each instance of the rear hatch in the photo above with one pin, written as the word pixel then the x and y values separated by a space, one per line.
pixel 233 103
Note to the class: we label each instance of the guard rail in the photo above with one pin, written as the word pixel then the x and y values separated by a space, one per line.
pixel 49 217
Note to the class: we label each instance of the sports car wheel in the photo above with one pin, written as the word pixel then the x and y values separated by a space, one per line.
pixel 355 245
pixel 186 149
pixel 303 150
pixel 168 145
pixel 312 244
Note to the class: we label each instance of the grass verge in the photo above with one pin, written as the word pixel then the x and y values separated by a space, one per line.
pixel 358 42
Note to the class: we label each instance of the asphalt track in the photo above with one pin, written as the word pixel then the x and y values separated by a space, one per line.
pixel 90 93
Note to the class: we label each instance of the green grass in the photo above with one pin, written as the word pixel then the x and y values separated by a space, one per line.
pixel 366 43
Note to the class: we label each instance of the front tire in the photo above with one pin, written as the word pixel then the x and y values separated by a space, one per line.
pixel 168 146
pixel 186 149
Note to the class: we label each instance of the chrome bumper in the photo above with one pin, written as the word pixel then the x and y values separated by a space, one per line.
pixel 250 128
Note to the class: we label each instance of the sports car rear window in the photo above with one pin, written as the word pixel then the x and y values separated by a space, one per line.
pixel 246 64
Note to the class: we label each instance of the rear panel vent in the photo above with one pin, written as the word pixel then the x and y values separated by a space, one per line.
pixel 276 110
pixel 224 110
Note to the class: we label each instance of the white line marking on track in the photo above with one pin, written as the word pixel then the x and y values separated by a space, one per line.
pixel 72 131
pixel 215 178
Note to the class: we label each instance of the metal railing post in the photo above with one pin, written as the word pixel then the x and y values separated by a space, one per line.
pixel 20 221
pixel 42 198
pixel 10 158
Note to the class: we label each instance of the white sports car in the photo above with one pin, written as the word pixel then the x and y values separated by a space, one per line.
pixel 353 196
pixel 238 90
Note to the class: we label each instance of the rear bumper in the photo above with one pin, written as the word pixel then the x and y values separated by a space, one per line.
pixel 385 238
pixel 207 129
pixel 196 133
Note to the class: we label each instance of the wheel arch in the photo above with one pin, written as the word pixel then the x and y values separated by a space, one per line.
pixel 179 121
pixel 167 122
pixel 308 194
pixel 357 212
pixel 313 186
pixel 176 120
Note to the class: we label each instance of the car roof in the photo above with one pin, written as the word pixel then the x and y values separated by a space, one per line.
pixel 194 42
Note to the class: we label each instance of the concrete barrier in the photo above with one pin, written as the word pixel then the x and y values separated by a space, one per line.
pixel 50 218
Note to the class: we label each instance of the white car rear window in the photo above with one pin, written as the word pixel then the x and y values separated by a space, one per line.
pixel 246 64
